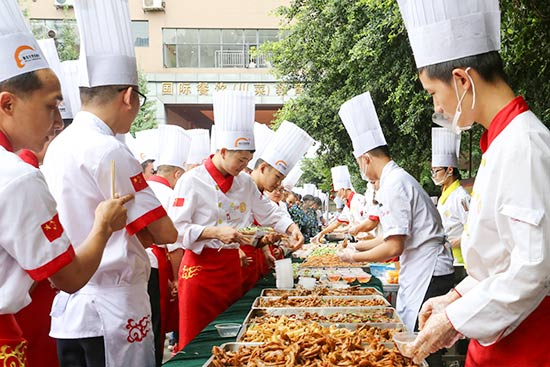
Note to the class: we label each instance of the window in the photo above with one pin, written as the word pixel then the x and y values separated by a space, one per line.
pixel 140 33
pixel 215 48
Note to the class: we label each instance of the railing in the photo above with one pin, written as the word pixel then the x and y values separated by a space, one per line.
pixel 239 59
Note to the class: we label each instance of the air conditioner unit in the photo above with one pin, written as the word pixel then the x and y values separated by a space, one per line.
pixel 152 5
pixel 63 3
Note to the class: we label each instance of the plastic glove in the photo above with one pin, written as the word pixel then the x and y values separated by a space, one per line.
pixel 435 305
pixel 346 254
pixel 438 333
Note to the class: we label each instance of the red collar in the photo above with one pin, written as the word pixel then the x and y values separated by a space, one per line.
pixel 159 179
pixel 350 198
pixel 29 157
pixel 224 182
pixel 5 142
pixel 501 120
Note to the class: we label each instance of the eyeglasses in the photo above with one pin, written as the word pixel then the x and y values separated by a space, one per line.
pixel 435 170
pixel 142 97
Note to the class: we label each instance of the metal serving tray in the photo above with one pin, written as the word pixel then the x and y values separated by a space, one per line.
pixel 276 292
pixel 258 300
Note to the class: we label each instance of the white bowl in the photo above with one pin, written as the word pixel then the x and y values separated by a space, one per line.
pixel 403 341
pixel 228 330
pixel 307 282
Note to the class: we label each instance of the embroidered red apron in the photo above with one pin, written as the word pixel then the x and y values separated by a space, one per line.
pixel 208 284
pixel 526 346
pixel 12 345
pixel 250 273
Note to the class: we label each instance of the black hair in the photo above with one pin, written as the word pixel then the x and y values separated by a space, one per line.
pixel 308 198
pixel 102 94
pixel 456 174
pixel 22 85
pixel 258 163
pixel 380 151
pixel 145 163
pixel 318 201
pixel 488 65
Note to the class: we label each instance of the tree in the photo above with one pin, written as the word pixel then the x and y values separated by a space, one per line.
pixel 339 49
pixel 146 117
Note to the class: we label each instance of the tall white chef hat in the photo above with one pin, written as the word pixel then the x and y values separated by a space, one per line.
pixel 445 147
pixel 292 178
pixel 341 178
pixel 106 48
pixel 174 144
pixel 50 53
pixel 213 146
pixel 19 51
pixel 309 189
pixel 262 136
pixel 146 145
pixel 288 146
pixel 200 146
pixel 361 122
pixel 234 119
pixel 70 77
pixel 445 30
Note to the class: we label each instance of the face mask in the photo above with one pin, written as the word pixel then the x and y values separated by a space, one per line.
pixel 440 182
pixel 441 120
pixel 363 176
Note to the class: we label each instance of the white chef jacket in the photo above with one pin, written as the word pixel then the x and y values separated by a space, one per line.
pixel 406 209
pixel 114 303
pixel 454 212
pixel 199 203
pixel 33 244
pixel 355 211
pixel 507 235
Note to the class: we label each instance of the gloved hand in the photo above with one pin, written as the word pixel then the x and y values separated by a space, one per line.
pixel 435 306
pixel 346 254
pixel 438 333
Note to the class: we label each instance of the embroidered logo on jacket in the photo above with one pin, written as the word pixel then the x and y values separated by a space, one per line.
pixel 52 229
pixel 188 272
pixel 138 181
pixel 137 331
pixel 178 202
pixel 14 357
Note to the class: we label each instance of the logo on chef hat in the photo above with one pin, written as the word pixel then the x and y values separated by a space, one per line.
pixel 281 165
pixel 25 55
pixel 242 142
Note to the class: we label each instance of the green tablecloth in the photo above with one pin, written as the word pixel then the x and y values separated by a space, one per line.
pixel 196 353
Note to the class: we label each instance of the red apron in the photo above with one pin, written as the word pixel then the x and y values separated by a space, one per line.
pixel 13 347
pixel 35 322
pixel 250 273
pixel 208 284
pixel 526 346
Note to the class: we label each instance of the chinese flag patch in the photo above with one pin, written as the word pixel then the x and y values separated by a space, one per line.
pixel 178 202
pixel 138 181
pixel 52 229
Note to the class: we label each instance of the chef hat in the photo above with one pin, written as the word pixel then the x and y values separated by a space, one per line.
pixel 292 178
pixel 213 146
pixel 173 145
pixel 288 146
pixel 106 47
pixel 445 30
pixel 361 122
pixel 199 148
pixel 234 119
pixel 262 136
pixel 19 50
pixel 50 53
pixel 71 92
pixel 341 178
pixel 445 147
pixel 146 145
pixel 309 189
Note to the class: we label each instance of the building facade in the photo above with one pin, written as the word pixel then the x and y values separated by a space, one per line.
pixel 187 50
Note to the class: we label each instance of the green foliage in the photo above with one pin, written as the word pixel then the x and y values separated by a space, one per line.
pixel 339 49
pixel 68 43
pixel 146 116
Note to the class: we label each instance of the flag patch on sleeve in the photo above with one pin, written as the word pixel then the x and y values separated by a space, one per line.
pixel 178 202
pixel 52 229
pixel 138 181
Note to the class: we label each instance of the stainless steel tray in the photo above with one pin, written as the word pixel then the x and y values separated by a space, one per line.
pixel 258 300
pixel 275 292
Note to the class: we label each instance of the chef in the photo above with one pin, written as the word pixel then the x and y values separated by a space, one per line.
pixel 108 322
pixel 173 149
pixel 199 150
pixel 34 246
pixel 411 225
pixel 503 304
pixel 211 202
pixel 354 207
pixel 454 202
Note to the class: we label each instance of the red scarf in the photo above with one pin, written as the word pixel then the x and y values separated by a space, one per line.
pixel 159 179
pixel 224 182
pixel 5 142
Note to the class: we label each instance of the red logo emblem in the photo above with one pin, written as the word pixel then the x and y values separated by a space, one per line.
pixel 138 181
pixel 178 202
pixel 137 331
pixel 52 229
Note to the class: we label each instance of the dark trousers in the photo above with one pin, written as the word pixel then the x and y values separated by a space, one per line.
pixel 439 285
pixel 154 297
pixel 84 352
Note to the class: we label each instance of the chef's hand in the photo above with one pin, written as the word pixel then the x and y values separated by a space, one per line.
pixel 438 333
pixel 319 238
pixel 111 213
pixel 346 254
pixel 354 230
pixel 436 305
pixel 270 259
pixel 455 243
pixel 231 235
pixel 278 252
pixel 245 260
pixel 296 237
